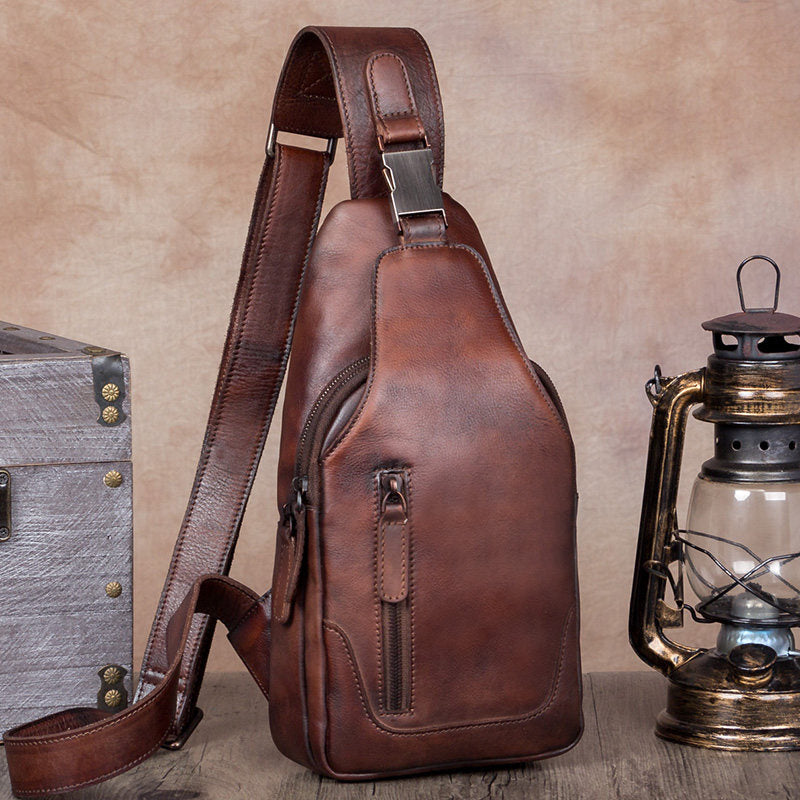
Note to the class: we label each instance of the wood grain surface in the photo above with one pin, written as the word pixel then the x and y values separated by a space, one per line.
pixel 231 756
pixel 71 534
pixel 48 413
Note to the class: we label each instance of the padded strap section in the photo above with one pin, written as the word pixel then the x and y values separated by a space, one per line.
pixel 331 81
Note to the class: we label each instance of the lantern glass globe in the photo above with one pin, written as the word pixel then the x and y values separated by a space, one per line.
pixel 741 557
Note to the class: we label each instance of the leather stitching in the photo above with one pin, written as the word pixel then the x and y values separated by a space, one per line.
pixel 404 546
pixel 381 728
pixel 433 83
pixel 409 600
pixel 194 639
pixel 213 428
pixel 279 584
pixel 249 613
pixel 105 776
pixel 411 597
pixel 503 316
pixel 303 91
pixel 374 355
pixel 257 679
pixel 349 141
pixel 104 725
pixel 376 98
pixel 412 112
pixel 259 442
pixel 411 225
pixel 373 362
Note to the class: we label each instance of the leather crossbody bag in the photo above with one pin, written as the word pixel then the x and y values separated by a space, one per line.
pixel 424 605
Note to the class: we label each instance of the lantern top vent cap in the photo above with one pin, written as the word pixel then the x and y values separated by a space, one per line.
pixel 756 321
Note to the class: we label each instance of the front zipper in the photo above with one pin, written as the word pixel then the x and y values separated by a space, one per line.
pixel 291 548
pixel 393 532
pixel 393 564
pixel 318 416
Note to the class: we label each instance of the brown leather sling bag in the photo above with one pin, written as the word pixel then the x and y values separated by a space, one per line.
pixel 424 605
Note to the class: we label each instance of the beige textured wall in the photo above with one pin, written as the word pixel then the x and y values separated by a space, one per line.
pixel 620 158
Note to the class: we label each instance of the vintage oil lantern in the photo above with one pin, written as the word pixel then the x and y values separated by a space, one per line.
pixel 741 546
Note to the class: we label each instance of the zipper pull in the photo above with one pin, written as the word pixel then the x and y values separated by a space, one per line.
pixel 299 492
pixel 393 536
pixel 290 551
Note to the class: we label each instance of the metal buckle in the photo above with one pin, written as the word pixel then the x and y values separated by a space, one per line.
pixel 409 174
pixel 183 736
pixel 272 137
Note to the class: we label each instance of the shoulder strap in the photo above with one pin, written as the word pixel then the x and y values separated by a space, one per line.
pixel 370 86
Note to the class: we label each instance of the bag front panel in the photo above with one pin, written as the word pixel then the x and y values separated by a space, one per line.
pixel 447 540
pixel 332 331
pixel 335 329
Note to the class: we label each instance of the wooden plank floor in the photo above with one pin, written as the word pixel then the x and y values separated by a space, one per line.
pixel 231 756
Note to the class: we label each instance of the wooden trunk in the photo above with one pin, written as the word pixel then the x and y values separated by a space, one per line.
pixel 66 526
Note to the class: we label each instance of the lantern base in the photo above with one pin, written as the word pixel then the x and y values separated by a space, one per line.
pixel 710 705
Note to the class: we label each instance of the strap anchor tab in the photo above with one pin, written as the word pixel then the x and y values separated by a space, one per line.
pixel 413 186
pixel 188 730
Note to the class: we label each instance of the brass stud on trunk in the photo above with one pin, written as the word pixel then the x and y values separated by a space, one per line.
pixel 110 392
pixel 113 589
pixel 112 675
pixel 113 479
pixel 112 698
pixel 110 415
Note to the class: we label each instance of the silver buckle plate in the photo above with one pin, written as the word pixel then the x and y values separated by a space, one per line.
pixel 413 186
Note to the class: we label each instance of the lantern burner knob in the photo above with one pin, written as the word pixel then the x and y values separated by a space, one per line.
pixel 753 663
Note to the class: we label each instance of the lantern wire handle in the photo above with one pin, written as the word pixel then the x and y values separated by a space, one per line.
pixel 655 386
pixel 661 570
pixel 777 283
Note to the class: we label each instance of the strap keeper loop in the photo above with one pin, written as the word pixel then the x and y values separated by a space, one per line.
pixel 272 138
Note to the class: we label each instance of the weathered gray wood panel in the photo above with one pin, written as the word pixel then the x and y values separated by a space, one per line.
pixel 231 757
pixel 44 690
pixel 48 413
pixel 71 534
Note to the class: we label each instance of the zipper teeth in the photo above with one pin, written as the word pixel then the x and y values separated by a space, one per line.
pixel 342 376
pixel 395 615
pixel 395 688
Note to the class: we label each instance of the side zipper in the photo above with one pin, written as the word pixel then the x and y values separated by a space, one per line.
pixel 393 588
pixel 292 527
